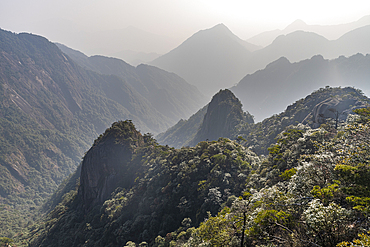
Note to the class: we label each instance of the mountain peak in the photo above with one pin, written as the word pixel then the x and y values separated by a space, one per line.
pixel 220 26
pixel 105 165
pixel 223 114
pixel 296 25
pixel 218 29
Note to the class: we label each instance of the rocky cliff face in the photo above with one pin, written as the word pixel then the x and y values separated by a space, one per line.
pixel 336 109
pixel 224 113
pixel 106 165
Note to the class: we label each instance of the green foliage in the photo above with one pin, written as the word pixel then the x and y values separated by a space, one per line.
pixel 213 231
pixel 169 185
pixel 309 190
pixel 5 240
pixel 325 194
pixel 287 174
pixel 364 240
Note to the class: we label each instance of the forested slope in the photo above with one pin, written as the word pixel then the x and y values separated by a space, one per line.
pixel 51 110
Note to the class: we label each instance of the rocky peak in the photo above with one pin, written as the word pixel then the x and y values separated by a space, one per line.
pixel 106 165
pixel 224 113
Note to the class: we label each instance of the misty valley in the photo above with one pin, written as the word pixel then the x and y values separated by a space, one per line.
pixel 219 142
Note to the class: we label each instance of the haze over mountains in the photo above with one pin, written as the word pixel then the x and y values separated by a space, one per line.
pixel 215 58
pixel 269 91
pixel 166 92
pixel 210 59
pixel 54 101
pixel 331 32
pixel 130 43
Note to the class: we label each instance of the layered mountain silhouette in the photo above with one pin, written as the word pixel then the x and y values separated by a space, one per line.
pixel 300 45
pixel 169 94
pixel 331 32
pixel 210 59
pixel 268 91
pixel 54 109
pixel 215 58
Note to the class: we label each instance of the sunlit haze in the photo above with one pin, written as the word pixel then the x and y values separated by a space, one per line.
pixel 175 19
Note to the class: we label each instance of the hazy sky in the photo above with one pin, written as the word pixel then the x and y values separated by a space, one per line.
pixel 177 18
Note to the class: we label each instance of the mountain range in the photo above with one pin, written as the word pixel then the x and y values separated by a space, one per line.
pixel 210 59
pixel 330 32
pixel 169 94
pixel 54 101
pixel 269 91
pixel 215 58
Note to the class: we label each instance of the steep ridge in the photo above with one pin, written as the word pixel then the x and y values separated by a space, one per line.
pixel 320 107
pixel 104 167
pixel 268 91
pixel 50 112
pixel 169 94
pixel 182 133
pixel 156 189
pixel 224 114
pixel 219 118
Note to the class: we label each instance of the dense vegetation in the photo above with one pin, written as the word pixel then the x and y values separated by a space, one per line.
pixel 311 190
pixel 163 188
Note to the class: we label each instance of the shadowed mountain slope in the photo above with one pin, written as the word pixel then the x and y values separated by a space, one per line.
pixel 169 94
pixel 224 114
pixel 183 132
pixel 219 118
pixel 132 189
pixel 51 109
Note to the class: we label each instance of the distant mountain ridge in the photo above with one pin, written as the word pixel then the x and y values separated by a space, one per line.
pixel 169 94
pixel 330 32
pixel 268 91
pixel 300 45
pixel 215 58
pixel 204 57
